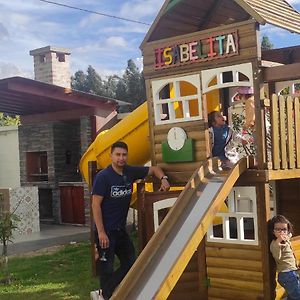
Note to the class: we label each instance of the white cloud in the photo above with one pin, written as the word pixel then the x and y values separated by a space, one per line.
pixel 140 8
pixel 126 28
pixel 90 20
pixel 10 70
pixel 3 32
pixel 116 41
pixel 273 30
pixel 110 46
pixel 139 63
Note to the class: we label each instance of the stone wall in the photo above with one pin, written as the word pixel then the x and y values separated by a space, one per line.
pixel 64 142
pixel 67 150
pixel 52 65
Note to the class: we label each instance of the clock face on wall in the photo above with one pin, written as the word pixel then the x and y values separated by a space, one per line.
pixel 176 138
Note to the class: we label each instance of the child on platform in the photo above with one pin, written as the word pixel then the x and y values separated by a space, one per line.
pixel 221 137
pixel 284 257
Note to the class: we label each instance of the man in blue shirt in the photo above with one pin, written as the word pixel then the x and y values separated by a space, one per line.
pixel 111 192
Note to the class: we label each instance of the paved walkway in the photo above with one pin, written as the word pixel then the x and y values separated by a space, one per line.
pixel 50 235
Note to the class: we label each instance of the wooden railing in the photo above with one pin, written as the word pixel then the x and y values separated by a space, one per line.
pixel 282 132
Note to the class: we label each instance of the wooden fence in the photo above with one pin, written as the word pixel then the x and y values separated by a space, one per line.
pixel 282 120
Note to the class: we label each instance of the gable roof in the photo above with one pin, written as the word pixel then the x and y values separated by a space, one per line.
pixel 179 17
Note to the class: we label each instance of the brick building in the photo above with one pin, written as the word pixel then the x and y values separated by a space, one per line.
pixel 58 124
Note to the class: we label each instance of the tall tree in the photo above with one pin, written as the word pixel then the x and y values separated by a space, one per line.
pixel 94 83
pixel 130 87
pixel 78 81
pixel 266 44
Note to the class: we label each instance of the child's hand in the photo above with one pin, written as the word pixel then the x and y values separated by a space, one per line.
pixel 282 238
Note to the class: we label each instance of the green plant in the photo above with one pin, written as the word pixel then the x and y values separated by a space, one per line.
pixel 8 222
pixel 7 120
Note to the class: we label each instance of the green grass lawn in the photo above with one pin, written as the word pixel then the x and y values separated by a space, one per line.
pixel 65 274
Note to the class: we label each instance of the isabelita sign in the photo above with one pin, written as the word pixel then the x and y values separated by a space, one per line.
pixel 209 48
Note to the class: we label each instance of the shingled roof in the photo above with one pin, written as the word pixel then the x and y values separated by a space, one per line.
pixel 178 17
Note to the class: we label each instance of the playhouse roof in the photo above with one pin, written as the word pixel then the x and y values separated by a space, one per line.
pixel 23 96
pixel 178 17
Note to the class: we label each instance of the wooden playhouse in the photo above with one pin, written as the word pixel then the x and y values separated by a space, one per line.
pixel 196 54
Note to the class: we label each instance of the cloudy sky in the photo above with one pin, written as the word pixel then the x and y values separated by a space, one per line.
pixel 105 43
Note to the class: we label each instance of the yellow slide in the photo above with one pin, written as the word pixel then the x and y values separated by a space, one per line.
pixel 133 130
pixel 161 263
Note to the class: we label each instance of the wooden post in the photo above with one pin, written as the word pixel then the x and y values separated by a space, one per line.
pixel 202 271
pixel 259 123
pixel 92 167
pixel 141 213
pixel 263 213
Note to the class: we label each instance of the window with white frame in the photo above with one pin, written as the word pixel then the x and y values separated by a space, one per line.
pixel 160 209
pixel 224 77
pixel 177 99
pixel 239 224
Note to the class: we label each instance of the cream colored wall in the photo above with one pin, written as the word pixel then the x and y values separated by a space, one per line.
pixel 9 157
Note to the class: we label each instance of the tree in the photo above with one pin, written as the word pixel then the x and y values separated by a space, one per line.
pixel 8 222
pixel 266 44
pixel 130 87
pixel 135 83
pixel 78 81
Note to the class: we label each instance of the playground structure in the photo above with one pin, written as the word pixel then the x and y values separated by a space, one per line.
pixel 196 54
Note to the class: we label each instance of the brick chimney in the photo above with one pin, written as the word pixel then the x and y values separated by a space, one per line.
pixel 52 65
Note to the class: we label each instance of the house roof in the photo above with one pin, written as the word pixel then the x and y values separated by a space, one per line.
pixel 179 17
pixel 23 96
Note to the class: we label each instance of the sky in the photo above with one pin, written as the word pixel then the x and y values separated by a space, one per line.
pixel 105 43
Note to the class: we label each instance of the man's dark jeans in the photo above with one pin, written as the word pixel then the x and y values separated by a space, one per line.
pixel 121 246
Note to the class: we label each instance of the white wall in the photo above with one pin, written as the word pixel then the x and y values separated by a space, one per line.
pixel 9 157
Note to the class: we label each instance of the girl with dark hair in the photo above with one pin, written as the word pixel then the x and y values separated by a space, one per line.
pixel 284 257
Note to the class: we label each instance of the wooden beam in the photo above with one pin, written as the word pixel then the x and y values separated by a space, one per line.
pixel 259 122
pixel 62 94
pixel 297 131
pixel 283 174
pixel 282 73
pixel 263 215
pixel 251 177
pixel 92 167
pixel 290 132
pixel 211 13
pixel 275 132
pixel 251 11
pixel 282 131
pixel 56 116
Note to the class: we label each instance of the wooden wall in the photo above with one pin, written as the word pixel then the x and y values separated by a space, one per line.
pixel 247 50
pixel 288 201
pixel 187 286
pixel 234 271
pixel 247 32
pixel 180 172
